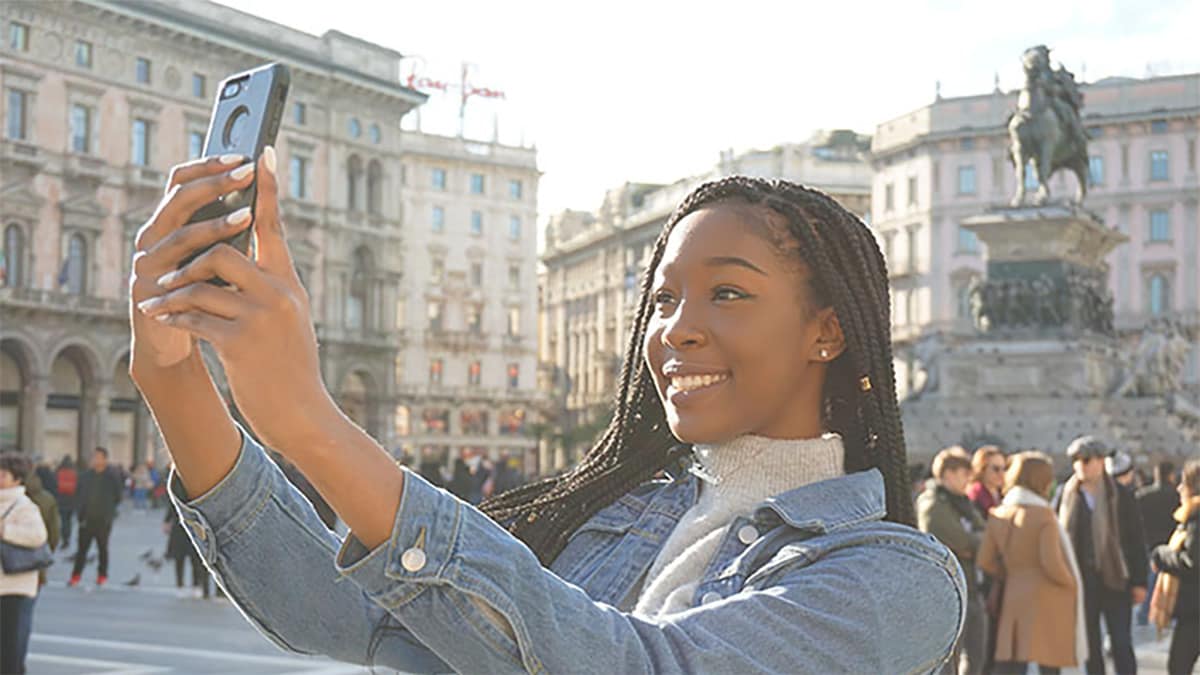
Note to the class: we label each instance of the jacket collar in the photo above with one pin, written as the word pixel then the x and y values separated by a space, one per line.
pixel 830 505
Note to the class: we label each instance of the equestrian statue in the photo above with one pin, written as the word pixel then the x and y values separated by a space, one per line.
pixel 1046 132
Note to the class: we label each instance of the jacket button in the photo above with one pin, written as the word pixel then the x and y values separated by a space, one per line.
pixel 747 534
pixel 710 597
pixel 413 559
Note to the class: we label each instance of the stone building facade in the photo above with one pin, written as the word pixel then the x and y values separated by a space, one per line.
pixel 467 377
pixel 593 262
pixel 100 99
pixel 947 161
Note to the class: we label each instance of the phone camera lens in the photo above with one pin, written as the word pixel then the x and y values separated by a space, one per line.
pixel 231 90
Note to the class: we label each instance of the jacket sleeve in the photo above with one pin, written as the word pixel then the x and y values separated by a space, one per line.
pixel 53 522
pixel 1181 563
pixel 274 558
pixel 1052 557
pixel 445 562
pixel 24 526
pixel 1133 536
pixel 989 551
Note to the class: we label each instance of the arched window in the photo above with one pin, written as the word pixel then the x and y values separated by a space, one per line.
pixel 374 187
pixel 358 302
pixel 1160 295
pixel 76 265
pixel 354 171
pixel 12 268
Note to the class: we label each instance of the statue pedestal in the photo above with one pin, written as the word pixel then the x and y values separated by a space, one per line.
pixel 1046 273
pixel 1044 363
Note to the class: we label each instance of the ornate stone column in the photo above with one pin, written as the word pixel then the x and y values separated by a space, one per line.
pixel 94 414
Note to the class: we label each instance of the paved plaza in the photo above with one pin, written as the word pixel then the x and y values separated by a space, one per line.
pixel 147 628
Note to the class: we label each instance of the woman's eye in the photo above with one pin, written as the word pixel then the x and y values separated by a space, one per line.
pixel 663 298
pixel 728 294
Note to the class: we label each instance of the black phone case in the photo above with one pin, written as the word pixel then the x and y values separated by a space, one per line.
pixel 243 124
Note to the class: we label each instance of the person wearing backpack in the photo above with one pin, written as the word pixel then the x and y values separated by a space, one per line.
pixel 68 484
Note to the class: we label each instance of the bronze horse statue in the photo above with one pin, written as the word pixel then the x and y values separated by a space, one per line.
pixel 1046 132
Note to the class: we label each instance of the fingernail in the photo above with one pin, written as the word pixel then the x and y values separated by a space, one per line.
pixel 269 158
pixel 146 305
pixel 231 159
pixel 166 279
pixel 242 171
pixel 163 317
pixel 238 217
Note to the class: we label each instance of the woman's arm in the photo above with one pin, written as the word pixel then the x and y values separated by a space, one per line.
pixel 989 554
pixel 24 526
pixel 274 557
pixel 1051 556
pixel 1181 563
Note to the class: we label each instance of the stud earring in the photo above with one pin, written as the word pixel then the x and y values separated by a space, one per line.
pixel 824 353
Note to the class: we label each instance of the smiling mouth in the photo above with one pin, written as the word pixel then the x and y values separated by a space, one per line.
pixel 689 383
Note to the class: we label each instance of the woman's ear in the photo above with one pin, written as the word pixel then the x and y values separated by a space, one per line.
pixel 831 342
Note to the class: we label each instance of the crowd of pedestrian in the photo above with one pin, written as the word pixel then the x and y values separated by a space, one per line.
pixel 1050 562
pixel 474 476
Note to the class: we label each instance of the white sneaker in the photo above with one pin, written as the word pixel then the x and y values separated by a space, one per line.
pixel 197 593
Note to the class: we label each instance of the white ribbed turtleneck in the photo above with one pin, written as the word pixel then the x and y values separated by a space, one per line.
pixel 735 477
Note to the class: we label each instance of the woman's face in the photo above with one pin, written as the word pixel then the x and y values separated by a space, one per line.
pixel 7 480
pixel 734 342
pixel 993 473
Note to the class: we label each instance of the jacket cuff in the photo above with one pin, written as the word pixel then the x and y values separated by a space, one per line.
pixel 232 504
pixel 424 536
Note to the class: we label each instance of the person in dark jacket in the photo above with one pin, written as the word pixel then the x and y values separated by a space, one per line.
pixel 1102 520
pixel 1157 502
pixel 945 511
pixel 46 476
pixel 1180 558
pixel 180 549
pixel 49 508
pixel 100 490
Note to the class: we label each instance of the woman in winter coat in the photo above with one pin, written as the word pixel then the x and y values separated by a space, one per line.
pixel 1179 562
pixel 20 524
pixel 1041 614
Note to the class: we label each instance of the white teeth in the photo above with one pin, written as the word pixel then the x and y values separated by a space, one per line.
pixel 690 382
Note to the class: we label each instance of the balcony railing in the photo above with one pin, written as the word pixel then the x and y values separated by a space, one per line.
pixel 45 299
pixel 455 340
pixel 144 177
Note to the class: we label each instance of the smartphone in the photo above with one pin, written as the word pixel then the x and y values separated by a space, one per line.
pixel 245 119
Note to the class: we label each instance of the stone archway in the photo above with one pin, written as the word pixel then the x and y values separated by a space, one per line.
pixel 19 396
pixel 64 406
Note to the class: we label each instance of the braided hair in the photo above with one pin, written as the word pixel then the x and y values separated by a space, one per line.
pixel 848 273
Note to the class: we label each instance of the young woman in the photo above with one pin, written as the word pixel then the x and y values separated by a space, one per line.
pixel 21 524
pixel 988 464
pixel 761 342
pixel 1041 615
pixel 1177 592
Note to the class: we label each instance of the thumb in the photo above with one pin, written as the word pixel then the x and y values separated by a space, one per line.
pixel 270 240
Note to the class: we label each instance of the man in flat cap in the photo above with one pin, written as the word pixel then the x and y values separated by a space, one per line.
pixel 1102 519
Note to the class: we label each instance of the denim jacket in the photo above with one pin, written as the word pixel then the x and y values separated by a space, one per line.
pixel 814 581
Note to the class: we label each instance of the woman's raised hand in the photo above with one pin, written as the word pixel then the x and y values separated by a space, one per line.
pixel 164 241
pixel 260 325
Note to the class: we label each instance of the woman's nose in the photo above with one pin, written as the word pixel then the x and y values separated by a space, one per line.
pixel 682 329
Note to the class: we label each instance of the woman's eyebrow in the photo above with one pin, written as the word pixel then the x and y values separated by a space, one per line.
pixel 717 261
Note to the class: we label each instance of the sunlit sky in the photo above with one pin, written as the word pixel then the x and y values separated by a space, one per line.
pixel 652 91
